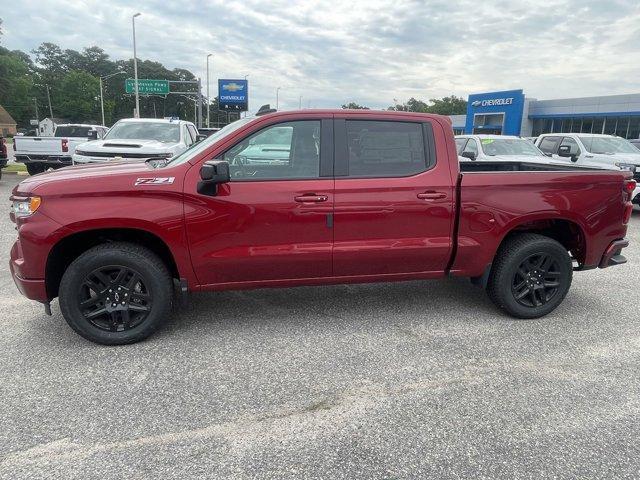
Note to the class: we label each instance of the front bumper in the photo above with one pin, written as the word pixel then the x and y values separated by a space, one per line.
pixel 612 255
pixel 85 159
pixel 33 289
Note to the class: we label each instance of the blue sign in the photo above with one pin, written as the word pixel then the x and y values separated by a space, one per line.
pixel 233 95
pixel 495 112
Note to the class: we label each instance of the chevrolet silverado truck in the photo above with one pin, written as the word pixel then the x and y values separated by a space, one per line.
pixel 363 196
pixel 41 153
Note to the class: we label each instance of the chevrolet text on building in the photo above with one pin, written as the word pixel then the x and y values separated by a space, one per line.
pixel 495 101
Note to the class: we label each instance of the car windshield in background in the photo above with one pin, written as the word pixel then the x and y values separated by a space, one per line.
pixel 509 146
pixel 72 131
pixel 607 145
pixel 204 144
pixel 162 132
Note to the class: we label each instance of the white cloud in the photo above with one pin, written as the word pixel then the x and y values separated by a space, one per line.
pixel 367 51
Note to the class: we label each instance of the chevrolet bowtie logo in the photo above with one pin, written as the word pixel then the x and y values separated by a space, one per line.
pixel 232 87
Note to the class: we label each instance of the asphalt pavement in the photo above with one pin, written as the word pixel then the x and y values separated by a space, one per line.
pixel 403 380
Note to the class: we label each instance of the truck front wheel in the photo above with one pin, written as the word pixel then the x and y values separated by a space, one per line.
pixel 116 293
pixel 530 276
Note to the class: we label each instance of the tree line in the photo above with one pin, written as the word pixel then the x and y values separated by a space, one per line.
pixel 442 106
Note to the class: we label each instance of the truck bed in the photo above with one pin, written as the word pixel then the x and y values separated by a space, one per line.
pixel 516 166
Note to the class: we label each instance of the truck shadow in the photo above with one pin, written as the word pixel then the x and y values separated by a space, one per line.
pixel 336 304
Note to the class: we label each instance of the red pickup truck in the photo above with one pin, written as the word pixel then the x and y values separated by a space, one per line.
pixel 309 198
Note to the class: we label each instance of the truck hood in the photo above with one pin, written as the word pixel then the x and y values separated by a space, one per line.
pixel 61 178
pixel 126 146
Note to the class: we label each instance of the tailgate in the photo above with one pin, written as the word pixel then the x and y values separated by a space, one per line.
pixel 38 145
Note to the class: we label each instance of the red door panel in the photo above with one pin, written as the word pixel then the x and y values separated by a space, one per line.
pixel 260 231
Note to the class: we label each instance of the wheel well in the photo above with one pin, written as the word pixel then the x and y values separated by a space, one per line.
pixel 71 247
pixel 567 233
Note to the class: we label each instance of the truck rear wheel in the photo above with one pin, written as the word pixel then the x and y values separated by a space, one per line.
pixel 530 276
pixel 34 168
pixel 116 293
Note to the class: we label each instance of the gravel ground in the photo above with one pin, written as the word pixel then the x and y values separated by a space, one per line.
pixel 404 380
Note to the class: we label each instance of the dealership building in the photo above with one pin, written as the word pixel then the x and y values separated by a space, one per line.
pixel 512 113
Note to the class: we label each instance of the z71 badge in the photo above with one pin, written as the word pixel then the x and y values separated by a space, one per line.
pixel 155 181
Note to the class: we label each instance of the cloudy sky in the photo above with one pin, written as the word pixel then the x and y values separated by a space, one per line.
pixel 370 51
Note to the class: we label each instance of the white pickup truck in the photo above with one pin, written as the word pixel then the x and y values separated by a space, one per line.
pixel 139 139
pixel 41 153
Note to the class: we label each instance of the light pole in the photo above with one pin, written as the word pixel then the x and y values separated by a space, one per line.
pixel 101 97
pixel 135 65
pixel 278 97
pixel 208 105
pixel 300 103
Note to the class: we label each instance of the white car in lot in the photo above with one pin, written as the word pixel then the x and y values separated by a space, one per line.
pixel 139 139
pixel 497 148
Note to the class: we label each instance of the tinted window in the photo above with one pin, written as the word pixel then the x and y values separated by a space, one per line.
pixel 72 131
pixel 572 144
pixel 385 149
pixel 282 151
pixel 548 144
pixel 193 132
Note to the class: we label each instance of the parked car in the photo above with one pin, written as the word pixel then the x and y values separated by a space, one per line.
pixel 498 148
pixel 139 139
pixel 364 196
pixel 4 156
pixel 41 153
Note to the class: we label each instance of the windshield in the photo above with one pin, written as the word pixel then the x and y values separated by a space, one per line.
pixel 72 131
pixel 196 148
pixel 509 146
pixel 162 132
pixel 607 145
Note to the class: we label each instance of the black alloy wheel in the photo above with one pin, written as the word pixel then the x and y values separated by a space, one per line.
pixel 114 298
pixel 536 281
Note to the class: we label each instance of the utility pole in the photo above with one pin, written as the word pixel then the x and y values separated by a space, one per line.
pixel 300 103
pixel 135 65
pixel 199 103
pixel 35 102
pixel 278 97
pixel 49 98
pixel 208 97
pixel 102 97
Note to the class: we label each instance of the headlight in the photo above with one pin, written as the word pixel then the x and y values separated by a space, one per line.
pixel 626 166
pixel 23 207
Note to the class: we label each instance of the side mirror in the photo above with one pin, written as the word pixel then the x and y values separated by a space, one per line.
pixel 200 137
pixel 469 155
pixel 565 151
pixel 213 173
pixel 92 135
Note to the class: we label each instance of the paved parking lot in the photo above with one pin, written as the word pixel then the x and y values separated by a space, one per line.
pixel 397 380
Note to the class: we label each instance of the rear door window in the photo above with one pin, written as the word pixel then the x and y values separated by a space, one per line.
pixel 549 145
pixel 385 149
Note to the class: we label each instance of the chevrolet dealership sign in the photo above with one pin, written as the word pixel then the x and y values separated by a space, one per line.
pixel 492 102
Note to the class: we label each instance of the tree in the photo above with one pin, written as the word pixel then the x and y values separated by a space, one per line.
pixel 448 106
pixel 445 106
pixel 354 106
pixel 76 97
pixel 16 86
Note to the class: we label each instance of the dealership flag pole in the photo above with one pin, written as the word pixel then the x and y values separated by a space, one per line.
pixel 135 65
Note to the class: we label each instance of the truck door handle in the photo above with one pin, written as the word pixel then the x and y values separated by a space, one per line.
pixel 311 198
pixel 431 195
